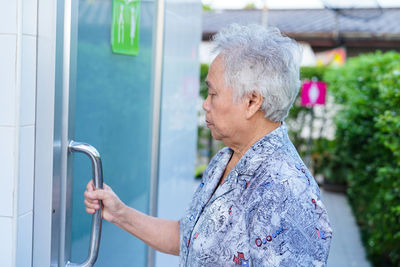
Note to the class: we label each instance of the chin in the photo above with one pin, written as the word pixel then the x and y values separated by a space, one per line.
pixel 216 137
pixel 213 135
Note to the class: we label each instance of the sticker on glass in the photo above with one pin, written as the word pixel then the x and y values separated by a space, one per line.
pixel 125 27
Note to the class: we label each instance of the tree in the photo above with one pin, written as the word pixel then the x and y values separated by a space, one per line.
pixel 250 6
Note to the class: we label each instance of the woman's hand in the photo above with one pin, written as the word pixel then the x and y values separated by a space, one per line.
pixel 144 227
pixel 112 206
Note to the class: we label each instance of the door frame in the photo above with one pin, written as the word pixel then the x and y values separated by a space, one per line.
pixel 44 133
pixel 51 247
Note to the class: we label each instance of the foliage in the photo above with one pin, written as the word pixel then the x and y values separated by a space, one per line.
pixel 203 76
pixel 198 172
pixel 207 7
pixel 307 73
pixel 368 145
pixel 250 6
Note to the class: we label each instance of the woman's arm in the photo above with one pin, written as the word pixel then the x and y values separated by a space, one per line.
pixel 160 234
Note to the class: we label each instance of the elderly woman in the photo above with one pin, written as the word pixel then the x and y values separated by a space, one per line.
pixel 257 204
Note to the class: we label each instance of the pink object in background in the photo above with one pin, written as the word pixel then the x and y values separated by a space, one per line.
pixel 313 93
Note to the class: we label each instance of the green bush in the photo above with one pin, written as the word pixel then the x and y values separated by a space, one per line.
pixel 203 77
pixel 368 145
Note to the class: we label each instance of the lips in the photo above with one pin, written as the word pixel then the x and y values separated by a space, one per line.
pixel 208 123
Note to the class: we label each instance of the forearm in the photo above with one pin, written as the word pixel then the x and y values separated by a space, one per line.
pixel 160 234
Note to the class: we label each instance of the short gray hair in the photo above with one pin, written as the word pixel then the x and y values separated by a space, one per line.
pixel 261 60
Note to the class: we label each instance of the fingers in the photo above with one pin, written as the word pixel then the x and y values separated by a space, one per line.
pixel 93 196
pixel 90 201
pixel 91 205
pixel 99 194
pixel 90 186
pixel 90 211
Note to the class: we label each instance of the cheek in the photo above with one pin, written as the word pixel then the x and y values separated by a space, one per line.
pixel 226 117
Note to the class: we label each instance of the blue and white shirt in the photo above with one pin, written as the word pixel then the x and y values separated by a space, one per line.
pixel 268 212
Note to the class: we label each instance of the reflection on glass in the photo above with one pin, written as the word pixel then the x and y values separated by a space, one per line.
pixel 113 113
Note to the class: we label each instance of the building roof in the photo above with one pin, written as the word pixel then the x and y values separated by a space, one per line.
pixel 368 24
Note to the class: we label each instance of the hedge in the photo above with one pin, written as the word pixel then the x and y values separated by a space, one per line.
pixel 368 146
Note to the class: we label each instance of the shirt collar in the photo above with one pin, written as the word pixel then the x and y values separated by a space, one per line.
pixel 246 166
pixel 257 153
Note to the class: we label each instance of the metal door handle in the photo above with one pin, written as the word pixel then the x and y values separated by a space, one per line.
pixel 97 176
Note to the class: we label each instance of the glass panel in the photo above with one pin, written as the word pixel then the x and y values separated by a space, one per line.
pixel 182 34
pixel 113 113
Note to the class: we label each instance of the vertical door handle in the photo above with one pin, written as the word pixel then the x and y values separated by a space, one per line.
pixel 97 176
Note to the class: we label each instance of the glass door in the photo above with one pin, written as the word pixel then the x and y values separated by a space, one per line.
pixel 110 107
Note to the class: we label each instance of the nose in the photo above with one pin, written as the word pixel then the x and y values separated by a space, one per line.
pixel 206 104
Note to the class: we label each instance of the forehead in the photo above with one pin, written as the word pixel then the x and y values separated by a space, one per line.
pixel 217 64
pixel 216 73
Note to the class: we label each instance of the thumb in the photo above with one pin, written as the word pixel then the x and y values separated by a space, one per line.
pixel 90 186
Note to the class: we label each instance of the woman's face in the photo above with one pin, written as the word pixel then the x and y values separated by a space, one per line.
pixel 223 117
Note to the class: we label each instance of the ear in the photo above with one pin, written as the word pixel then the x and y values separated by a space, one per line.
pixel 253 104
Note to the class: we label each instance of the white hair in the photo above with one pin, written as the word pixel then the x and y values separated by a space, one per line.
pixel 261 60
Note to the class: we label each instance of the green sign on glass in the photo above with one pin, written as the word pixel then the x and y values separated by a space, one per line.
pixel 125 27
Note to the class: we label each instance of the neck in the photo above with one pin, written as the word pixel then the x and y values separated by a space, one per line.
pixel 253 132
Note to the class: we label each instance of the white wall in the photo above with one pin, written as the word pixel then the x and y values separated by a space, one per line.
pixel 18 35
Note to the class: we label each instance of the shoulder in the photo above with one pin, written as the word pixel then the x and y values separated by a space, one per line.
pixel 285 181
pixel 284 167
pixel 287 208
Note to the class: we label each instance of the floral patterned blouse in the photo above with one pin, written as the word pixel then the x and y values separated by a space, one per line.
pixel 268 212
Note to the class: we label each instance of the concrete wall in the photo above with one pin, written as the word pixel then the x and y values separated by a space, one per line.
pixel 18 36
